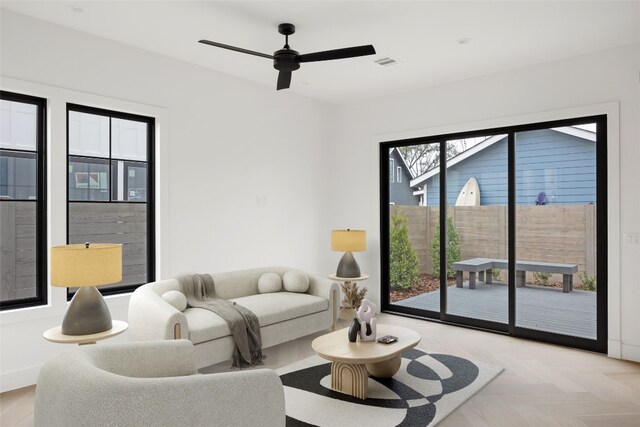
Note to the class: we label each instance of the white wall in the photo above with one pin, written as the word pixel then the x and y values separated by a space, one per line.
pixel 222 142
pixel 497 100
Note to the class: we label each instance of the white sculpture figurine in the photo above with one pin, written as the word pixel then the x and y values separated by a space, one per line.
pixel 367 322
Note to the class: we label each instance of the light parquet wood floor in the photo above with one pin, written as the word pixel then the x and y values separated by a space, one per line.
pixel 542 384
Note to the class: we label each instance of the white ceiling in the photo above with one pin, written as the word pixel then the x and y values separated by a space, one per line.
pixel 421 35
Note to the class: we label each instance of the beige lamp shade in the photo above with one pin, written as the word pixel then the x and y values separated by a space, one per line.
pixel 86 264
pixel 348 240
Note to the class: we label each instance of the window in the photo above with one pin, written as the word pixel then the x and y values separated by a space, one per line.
pixel 110 187
pixel 399 174
pixel 23 242
pixel 391 169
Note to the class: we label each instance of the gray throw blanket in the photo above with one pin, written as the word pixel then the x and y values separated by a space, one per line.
pixel 242 322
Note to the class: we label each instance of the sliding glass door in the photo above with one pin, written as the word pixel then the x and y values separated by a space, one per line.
pixel 414 275
pixel 502 229
pixel 477 229
pixel 556 238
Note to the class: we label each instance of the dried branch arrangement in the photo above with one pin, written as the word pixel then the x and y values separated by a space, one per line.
pixel 352 295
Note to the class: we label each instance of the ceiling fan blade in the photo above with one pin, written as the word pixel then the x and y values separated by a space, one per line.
pixel 237 49
pixel 284 79
pixel 347 52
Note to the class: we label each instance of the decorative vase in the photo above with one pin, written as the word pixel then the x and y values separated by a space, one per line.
pixel 367 322
pixel 354 329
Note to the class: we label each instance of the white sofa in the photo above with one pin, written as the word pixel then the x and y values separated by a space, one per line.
pixel 152 384
pixel 283 316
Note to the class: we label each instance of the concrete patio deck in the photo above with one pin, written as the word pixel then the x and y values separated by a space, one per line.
pixel 540 308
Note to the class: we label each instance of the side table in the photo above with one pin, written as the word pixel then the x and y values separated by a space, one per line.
pixel 347 313
pixel 55 334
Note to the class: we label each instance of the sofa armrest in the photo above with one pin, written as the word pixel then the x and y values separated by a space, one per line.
pixel 153 318
pixel 326 288
pixel 91 396
pixel 148 359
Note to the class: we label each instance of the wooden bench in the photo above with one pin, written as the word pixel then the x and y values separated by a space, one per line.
pixel 484 266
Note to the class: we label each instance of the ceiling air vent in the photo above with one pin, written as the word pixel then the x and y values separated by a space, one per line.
pixel 386 61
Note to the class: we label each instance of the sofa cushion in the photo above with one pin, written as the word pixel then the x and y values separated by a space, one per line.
pixel 295 281
pixel 269 282
pixel 176 299
pixel 270 308
pixel 204 325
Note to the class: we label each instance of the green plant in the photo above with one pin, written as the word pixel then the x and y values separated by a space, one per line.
pixel 541 277
pixel 589 282
pixel 495 272
pixel 403 271
pixel 453 248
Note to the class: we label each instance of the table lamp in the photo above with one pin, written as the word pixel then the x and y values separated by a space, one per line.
pixel 86 266
pixel 348 241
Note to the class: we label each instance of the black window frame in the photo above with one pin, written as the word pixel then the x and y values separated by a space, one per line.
pixel 150 196
pixel 41 201
pixel 600 343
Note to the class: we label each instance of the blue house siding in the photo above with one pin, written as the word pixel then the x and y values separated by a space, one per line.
pixel 400 193
pixel 561 165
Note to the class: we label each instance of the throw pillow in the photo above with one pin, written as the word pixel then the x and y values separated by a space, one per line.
pixel 176 299
pixel 269 282
pixel 295 281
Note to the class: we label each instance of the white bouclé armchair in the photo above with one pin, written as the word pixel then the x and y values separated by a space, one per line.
pixel 152 383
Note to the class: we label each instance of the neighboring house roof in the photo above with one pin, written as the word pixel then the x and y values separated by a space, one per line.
pixel 569 130
pixel 404 162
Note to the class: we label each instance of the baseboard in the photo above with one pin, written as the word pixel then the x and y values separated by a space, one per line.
pixel 618 350
pixel 19 378
pixel 630 352
pixel 614 349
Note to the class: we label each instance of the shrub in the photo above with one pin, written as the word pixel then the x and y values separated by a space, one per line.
pixel 495 272
pixel 453 248
pixel 541 278
pixel 403 271
pixel 589 282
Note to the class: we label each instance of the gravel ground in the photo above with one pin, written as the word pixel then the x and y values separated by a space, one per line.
pixel 426 283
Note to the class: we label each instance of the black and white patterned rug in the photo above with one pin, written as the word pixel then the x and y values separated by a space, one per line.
pixel 427 388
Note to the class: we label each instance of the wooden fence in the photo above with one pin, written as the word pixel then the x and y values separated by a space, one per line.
pixel 88 222
pixel 124 223
pixel 17 250
pixel 553 233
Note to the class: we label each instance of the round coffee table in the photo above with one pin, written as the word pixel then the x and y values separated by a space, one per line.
pixel 352 362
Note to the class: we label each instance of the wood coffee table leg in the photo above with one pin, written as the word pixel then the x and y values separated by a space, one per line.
pixel 349 379
pixel 385 369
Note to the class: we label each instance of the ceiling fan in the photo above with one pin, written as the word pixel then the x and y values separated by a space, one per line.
pixel 287 60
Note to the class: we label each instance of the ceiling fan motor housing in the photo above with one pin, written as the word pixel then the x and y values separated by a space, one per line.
pixel 286 29
pixel 286 60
